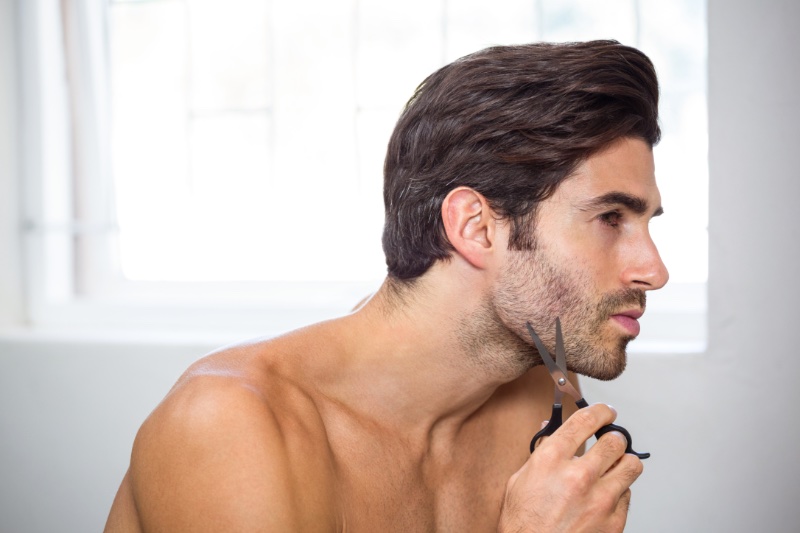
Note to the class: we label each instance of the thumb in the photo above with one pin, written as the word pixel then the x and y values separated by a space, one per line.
pixel 541 439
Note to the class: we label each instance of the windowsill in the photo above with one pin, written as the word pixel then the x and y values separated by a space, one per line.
pixel 675 322
pixel 207 339
pixel 203 339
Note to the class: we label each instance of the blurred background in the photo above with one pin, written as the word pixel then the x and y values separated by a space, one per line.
pixel 176 175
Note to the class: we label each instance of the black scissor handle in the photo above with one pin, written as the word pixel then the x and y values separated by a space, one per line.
pixel 555 422
pixel 613 427
pixel 552 425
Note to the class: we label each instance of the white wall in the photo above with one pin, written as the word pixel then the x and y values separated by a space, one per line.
pixel 10 283
pixel 68 416
pixel 722 426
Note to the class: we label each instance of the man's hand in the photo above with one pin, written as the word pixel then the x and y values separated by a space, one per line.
pixel 557 491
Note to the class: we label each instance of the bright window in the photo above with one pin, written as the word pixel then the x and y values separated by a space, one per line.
pixel 237 145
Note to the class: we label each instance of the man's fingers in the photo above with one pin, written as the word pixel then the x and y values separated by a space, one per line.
pixel 606 452
pixel 616 485
pixel 579 427
pixel 624 504
pixel 624 472
pixel 621 512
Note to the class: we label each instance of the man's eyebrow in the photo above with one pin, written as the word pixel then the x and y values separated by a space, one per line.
pixel 634 203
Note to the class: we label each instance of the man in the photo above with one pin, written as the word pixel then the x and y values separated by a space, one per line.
pixel 519 185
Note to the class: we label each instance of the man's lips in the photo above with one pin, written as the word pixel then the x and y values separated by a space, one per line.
pixel 629 320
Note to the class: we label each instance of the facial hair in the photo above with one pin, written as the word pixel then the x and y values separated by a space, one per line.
pixel 533 289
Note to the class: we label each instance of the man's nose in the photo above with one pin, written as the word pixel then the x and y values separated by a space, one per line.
pixel 645 269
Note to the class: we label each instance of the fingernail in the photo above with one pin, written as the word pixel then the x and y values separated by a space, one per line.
pixel 544 424
pixel 620 436
pixel 612 408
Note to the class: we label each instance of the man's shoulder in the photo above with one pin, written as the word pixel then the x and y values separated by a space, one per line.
pixel 223 443
pixel 246 384
pixel 244 394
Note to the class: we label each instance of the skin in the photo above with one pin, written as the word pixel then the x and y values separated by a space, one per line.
pixel 415 413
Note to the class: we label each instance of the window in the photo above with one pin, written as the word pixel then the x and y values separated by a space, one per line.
pixel 228 155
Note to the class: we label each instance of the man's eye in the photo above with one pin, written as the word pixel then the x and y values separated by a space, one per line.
pixel 611 219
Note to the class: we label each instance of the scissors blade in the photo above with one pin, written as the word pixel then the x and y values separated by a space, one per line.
pixel 557 369
pixel 561 357
pixel 551 365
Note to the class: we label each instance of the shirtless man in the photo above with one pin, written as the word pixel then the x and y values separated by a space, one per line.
pixel 519 185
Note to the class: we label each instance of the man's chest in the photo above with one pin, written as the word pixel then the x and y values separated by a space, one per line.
pixel 384 490
pixel 465 502
pixel 383 486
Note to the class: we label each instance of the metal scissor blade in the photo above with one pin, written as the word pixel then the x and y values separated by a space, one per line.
pixel 549 363
pixel 545 355
pixel 561 357
pixel 557 369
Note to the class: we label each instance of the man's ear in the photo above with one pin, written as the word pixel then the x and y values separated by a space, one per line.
pixel 470 225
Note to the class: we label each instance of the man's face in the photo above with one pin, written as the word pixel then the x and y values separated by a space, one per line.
pixel 593 261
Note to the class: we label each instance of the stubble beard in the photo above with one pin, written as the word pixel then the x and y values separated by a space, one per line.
pixel 535 290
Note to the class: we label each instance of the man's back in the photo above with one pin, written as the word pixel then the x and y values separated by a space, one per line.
pixel 273 436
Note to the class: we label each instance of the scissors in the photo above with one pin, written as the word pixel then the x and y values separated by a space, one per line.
pixel 558 371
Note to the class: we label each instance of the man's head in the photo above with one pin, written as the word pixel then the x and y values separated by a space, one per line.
pixel 512 123
pixel 593 263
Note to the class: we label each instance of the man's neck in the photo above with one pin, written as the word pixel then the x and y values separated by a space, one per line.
pixel 425 363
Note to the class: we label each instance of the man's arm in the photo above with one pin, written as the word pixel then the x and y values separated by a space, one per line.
pixel 214 457
pixel 556 491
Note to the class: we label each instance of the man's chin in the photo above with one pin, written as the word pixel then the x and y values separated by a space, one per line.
pixel 607 374
pixel 604 366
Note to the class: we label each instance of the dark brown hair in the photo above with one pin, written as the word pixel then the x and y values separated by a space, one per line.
pixel 512 122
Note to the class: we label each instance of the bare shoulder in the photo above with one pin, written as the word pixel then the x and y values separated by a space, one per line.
pixel 234 446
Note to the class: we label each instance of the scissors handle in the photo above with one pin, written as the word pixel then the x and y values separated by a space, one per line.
pixel 556 419
pixel 613 427
pixel 552 425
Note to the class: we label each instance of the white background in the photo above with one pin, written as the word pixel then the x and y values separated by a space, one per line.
pixel 722 426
